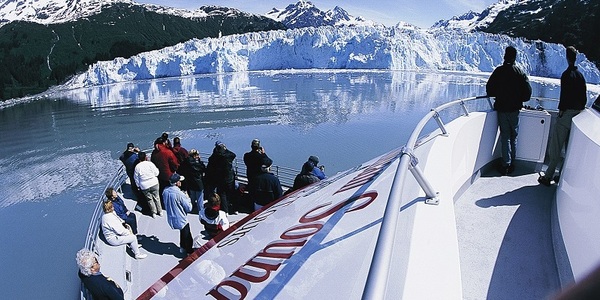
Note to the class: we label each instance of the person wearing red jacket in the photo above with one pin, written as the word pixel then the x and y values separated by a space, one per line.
pixel 166 162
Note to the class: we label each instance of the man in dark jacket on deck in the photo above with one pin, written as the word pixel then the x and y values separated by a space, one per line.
pixel 254 160
pixel 509 84
pixel 266 187
pixel 573 97
pixel 220 176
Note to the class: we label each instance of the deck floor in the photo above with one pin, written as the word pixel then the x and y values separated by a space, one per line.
pixel 505 238
pixel 161 243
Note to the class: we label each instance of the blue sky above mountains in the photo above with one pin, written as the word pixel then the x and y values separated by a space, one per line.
pixel 422 13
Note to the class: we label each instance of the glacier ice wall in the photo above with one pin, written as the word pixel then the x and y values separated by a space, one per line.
pixel 359 47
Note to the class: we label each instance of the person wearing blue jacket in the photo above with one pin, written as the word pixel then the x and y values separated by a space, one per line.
pixel 130 158
pixel 317 170
pixel 178 205
pixel 121 210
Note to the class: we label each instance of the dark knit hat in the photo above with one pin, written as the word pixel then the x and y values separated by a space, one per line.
pixel 255 143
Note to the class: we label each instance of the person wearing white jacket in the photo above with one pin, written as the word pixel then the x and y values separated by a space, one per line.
pixel 116 232
pixel 145 176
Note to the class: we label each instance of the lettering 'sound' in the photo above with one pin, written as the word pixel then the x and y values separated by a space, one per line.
pixel 271 257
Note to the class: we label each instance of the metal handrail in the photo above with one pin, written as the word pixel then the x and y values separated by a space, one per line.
pixel 94 228
pixel 286 177
pixel 378 272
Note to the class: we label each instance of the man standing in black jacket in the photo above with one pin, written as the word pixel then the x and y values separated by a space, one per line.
pixel 509 84
pixel 254 160
pixel 573 97
pixel 266 187
pixel 221 177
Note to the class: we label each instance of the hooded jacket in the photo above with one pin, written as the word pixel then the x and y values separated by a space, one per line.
pixel 220 166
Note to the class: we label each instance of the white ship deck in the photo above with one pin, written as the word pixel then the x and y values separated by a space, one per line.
pixel 161 243
pixel 486 236
pixel 505 237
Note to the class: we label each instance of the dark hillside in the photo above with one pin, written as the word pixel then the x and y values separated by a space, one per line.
pixel 34 57
pixel 567 22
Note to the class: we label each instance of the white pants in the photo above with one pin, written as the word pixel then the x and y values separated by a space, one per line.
pixel 130 239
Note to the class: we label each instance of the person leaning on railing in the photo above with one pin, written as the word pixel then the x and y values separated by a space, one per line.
pixel 510 86
pixel 573 97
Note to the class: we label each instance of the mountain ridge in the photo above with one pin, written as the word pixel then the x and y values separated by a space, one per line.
pixel 305 14
pixel 36 56
pixel 568 22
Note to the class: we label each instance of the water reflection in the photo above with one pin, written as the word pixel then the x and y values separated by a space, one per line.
pixel 345 116
pixel 304 97
pixel 59 152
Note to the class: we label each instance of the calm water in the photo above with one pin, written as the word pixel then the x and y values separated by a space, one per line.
pixel 58 154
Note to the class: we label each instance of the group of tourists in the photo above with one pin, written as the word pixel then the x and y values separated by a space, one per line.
pixel 178 182
pixel 175 182
pixel 510 87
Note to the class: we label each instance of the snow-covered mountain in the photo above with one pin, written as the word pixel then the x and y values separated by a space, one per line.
pixel 359 47
pixel 60 11
pixel 568 22
pixel 305 14
pixel 50 11
pixel 472 21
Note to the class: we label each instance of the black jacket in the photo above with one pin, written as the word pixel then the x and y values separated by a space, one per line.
pixel 509 84
pixel 220 167
pixel 573 91
pixel 253 161
pixel 265 189
pixel 101 287
pixel 193 171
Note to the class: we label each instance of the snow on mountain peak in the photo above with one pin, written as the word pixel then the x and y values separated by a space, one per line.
pixel 305 14
pixel 60 11
pixel 471 21
pixel 51 11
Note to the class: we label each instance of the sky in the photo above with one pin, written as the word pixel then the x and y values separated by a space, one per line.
pixel 422 13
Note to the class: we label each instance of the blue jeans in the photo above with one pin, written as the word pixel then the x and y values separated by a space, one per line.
pixel 197 197
pixel 509 127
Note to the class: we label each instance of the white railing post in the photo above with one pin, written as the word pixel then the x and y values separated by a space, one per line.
pixel 380 264
pixel 430 193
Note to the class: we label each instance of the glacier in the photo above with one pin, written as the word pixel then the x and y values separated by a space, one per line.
pixel 328 47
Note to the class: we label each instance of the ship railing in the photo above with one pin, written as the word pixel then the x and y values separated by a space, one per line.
pixel 378 273
pixel 286 177
pixel 94 228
